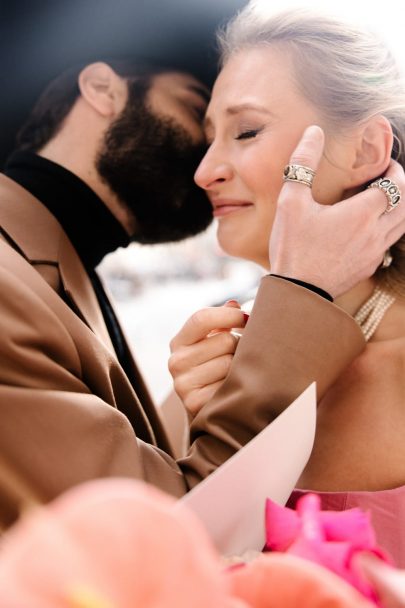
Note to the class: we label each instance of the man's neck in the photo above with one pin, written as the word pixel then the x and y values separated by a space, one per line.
pixel 90 225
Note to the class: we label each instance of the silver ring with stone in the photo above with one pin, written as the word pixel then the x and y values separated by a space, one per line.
pixel 391 191
pixel 300 174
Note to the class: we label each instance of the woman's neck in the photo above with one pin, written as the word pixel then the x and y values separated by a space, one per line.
pixel 352 300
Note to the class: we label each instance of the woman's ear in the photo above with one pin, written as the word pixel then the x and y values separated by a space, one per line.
pixel 373 151
pixel 103 89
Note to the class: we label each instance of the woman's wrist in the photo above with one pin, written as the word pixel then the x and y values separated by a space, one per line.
pixel 318 290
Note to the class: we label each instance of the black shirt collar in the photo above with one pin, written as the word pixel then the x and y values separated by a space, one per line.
pixel 92 228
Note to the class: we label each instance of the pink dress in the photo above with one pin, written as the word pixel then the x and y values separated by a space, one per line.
pixel 387 509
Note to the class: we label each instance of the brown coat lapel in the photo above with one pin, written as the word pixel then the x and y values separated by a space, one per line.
pixel 44 244
pixel 41 239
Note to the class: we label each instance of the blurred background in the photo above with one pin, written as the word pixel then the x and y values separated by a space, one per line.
pixel 155 288
pixel 40 38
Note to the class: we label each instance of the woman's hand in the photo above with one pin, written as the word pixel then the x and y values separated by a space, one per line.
pixel 332 246
pixel 202 352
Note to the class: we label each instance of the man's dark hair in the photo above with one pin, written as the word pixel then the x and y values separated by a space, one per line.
pixel 56 101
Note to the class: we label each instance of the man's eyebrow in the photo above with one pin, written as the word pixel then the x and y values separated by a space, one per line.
pixel 232 110
pixel 202 91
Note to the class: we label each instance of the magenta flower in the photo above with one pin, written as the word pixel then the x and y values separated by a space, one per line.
pixel 327 538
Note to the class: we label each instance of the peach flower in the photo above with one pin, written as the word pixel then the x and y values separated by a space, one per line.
pixel 278 580
pixel 111 544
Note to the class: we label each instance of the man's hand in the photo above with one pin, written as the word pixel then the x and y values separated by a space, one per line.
pixel 332 246
pixel 202 354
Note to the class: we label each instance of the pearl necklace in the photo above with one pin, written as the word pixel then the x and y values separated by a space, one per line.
pixel 370 315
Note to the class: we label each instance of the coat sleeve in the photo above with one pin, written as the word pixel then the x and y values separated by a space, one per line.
pixel 293 337
pixel 54 433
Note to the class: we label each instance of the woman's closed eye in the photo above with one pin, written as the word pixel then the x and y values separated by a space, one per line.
pixel 248 134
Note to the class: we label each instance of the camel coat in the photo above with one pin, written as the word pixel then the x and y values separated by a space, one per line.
pixel 68 412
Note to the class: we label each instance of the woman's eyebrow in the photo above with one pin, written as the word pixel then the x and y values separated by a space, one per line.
pixel 247 106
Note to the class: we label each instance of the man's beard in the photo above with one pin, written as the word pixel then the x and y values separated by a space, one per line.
pixel 149 161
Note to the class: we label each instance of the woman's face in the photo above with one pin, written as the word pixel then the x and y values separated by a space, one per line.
pixel 254 120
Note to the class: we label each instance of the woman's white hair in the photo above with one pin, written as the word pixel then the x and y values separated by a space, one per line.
pixel 347 73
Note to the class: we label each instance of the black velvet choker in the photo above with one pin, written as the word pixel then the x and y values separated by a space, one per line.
pixel 89 224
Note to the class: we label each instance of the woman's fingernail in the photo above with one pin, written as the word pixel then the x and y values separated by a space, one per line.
pixel 245 317
pixel 232 304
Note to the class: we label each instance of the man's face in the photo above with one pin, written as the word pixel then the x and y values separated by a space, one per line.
pixel 183 98
pixel 150 153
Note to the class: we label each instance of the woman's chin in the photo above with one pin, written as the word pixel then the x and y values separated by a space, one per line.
pixel 233 247
pixel 240 240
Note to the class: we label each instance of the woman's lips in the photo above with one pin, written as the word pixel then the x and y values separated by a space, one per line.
pixel 225 207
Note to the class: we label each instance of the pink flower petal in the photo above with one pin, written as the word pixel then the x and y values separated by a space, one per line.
pixel 327 538
pixel 282 526
pixel 353 523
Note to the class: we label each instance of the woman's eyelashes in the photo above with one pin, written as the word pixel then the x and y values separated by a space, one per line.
pixel 248 133
pixel 243 133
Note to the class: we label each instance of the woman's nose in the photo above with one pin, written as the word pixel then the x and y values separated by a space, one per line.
pixel 212 170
